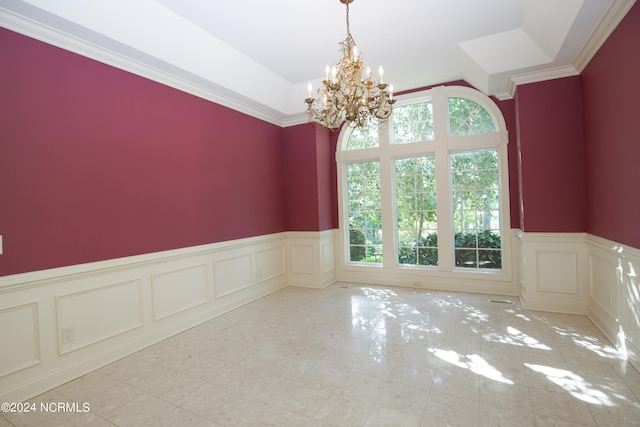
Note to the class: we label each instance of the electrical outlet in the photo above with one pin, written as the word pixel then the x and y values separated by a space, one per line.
pixel 68 334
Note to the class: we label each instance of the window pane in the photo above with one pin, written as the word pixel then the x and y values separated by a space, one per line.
pixel 476 208
pixel 466 258
pixel 415 181
pixel 489 259
pixel 365 212
pixel 468 118
pixel 413 123
pixel 364 137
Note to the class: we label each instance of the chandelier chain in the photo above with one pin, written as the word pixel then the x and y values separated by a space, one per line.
pixel 348 30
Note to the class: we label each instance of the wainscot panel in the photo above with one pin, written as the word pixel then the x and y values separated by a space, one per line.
pixel 232 274
pixel 310 258
pixel 271 263
pixel 614 304
pixel 59 324
pixel 87 317
pixel 179 290
pixel 302 259
pixel 554 272
pixel 19 337
pixel 557 272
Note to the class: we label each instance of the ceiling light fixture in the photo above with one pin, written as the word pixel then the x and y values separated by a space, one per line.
pixel 347 93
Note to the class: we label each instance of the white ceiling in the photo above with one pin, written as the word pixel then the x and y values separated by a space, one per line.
pixel 257 56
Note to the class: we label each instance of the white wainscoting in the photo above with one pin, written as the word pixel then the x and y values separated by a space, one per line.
pixel 310 259
pixel 554 273
pixel 58 324
pixel 584 274
pixel 614 299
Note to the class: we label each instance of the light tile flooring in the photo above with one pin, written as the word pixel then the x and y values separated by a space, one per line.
pixel 364 356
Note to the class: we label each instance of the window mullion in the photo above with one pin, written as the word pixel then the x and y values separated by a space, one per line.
pixel 389 257
pixel 443 184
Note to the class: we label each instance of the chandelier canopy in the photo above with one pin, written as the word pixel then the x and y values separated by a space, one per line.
pixel 349 93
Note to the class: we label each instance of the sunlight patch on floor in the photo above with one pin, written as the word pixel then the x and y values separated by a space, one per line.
pixel 473 362
pixel 573 384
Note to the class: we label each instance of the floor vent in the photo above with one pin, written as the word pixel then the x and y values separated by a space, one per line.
pixel 501 301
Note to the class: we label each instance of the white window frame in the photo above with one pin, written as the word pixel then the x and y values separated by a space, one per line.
pixel 441 146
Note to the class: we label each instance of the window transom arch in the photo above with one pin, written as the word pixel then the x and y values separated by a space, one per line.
pixel 427 189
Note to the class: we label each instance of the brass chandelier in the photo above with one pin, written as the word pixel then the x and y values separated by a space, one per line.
pixel 348 93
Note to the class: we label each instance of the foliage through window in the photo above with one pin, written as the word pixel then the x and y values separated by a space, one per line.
pixel 365 137
pixel 365 214
pixel 416 210
pixel 475 193
pixel 467 117
pixel 417 196
pixel 412 123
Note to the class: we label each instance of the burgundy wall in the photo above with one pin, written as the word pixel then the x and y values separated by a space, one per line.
pixel 97 163
pixel 327 185
pixel 611 94
pixel 309 178
pixel 300 177
pixel 551 153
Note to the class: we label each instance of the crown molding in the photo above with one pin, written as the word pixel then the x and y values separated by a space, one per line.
pixel 55 37
pixel 539 76
pixel 296 119
pixel 503 96
pixel 612 17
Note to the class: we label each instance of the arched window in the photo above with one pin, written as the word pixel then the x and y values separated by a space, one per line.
pixel 427 188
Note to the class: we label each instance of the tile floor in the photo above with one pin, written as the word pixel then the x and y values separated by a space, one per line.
pixel 363 356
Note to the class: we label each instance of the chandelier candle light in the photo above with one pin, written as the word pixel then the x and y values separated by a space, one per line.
pixel 347 93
